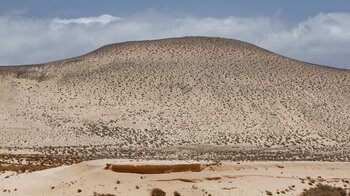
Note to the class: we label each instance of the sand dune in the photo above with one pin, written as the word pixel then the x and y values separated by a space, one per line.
pixel 188 98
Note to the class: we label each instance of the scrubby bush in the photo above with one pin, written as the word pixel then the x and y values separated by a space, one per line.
pixel 177 193
pixel 324 190
pixel 101 194
pixel 157 192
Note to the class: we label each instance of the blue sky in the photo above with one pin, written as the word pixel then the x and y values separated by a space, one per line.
pixel 294 10
pixel 316 31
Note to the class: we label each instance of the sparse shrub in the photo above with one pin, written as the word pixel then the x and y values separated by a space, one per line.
pixel 177 193
pixel 157 192
pixel 268 192
pixel 22 168
pixel 324 190
pixel 100 194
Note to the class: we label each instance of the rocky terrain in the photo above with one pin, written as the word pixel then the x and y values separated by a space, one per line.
pixel 178 98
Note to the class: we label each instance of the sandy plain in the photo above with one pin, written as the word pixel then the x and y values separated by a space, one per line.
pixel 223 178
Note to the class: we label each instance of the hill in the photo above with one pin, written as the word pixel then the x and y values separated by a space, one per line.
pixel 191 97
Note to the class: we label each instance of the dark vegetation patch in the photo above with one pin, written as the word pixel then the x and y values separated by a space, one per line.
pixel 193 153
pixel 27 163
pixel 102 194
pixel 177 193
pixel 324 190
pixel 157 192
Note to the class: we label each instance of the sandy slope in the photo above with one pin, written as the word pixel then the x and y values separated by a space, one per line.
pixel 246 178
pixel 192 97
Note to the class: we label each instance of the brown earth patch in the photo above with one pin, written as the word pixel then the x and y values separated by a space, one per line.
pixel 155 169
pixel 213 178
pixel 182 180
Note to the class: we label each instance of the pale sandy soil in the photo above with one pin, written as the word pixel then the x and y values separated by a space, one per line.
pixel 228 178
pixel 181 98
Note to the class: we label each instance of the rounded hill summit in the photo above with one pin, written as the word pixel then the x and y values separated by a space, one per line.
pixel 191 97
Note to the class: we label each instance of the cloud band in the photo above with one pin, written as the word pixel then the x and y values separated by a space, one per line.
pixel 322 39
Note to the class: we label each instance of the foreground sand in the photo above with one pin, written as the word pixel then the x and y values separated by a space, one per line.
pixel 225 178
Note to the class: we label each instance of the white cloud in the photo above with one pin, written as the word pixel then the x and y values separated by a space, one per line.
pixel 103 19
pixel 322 39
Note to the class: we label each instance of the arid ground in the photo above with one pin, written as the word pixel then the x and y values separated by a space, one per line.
pixel 224 178
pixel 191 98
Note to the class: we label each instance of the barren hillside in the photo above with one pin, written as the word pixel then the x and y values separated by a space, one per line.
pixel 192 97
